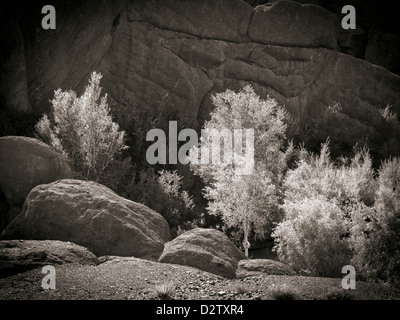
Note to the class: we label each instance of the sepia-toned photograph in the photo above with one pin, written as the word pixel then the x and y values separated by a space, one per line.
pixel 212 151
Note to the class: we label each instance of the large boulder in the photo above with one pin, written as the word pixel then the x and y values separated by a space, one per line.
pixel 19 255
pixel 24 164
pixel 91 215
pixel 205 249
pixel 253 267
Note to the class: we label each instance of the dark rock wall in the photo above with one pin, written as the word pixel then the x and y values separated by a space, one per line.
pixel 162 60
pixel 377 35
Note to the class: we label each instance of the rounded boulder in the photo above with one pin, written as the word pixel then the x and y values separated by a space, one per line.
pixel 25 163
pixel 205 249
pixel 91 215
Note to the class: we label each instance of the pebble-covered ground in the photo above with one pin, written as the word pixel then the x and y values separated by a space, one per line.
pixel 136 279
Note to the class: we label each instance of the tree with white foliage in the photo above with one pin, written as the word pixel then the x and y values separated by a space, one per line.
pixel 246 201
pixel 82 129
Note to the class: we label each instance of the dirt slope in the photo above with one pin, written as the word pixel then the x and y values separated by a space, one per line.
pixel 136 279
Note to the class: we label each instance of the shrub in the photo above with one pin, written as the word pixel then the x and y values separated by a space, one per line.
pixel 387 137
pixel 389 116
pixel 320 198
pixel 82 129
pixel 376 231
pixel 309 238
pixel 348 180
pixel 339 213
pixel 163 193
pixel 163 291
pixel 119 176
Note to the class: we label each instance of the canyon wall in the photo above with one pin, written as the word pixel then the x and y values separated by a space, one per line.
pixel 162 60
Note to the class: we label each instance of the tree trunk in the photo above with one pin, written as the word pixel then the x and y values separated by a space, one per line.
pixel 246 243
pixel 246 230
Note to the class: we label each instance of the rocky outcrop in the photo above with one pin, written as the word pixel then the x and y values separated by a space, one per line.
pixel 289 53
pixel 162 60
pixel 201 19
pixel 13 84
pixel 44 60
pixel 291 24
pixel 92 216
pixel 377 32
pixel 24 164
pixel 254 267
pixel 18 256
pixel 205 249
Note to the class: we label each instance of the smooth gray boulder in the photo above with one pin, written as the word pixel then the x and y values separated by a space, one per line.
pixel 205 249
pixel 93 216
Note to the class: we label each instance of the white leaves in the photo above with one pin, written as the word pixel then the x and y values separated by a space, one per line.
pixel 45 132
pixel 84 128
pixel 318 174
pixel 171 184
pixel 309 238
pixel 248 200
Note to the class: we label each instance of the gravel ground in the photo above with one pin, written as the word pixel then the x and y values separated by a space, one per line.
pixel 121 278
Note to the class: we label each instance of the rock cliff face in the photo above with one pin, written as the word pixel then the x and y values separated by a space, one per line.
pixel 162 60
pixel 377 35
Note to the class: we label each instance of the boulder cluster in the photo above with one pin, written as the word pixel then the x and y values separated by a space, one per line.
pixel 65 220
